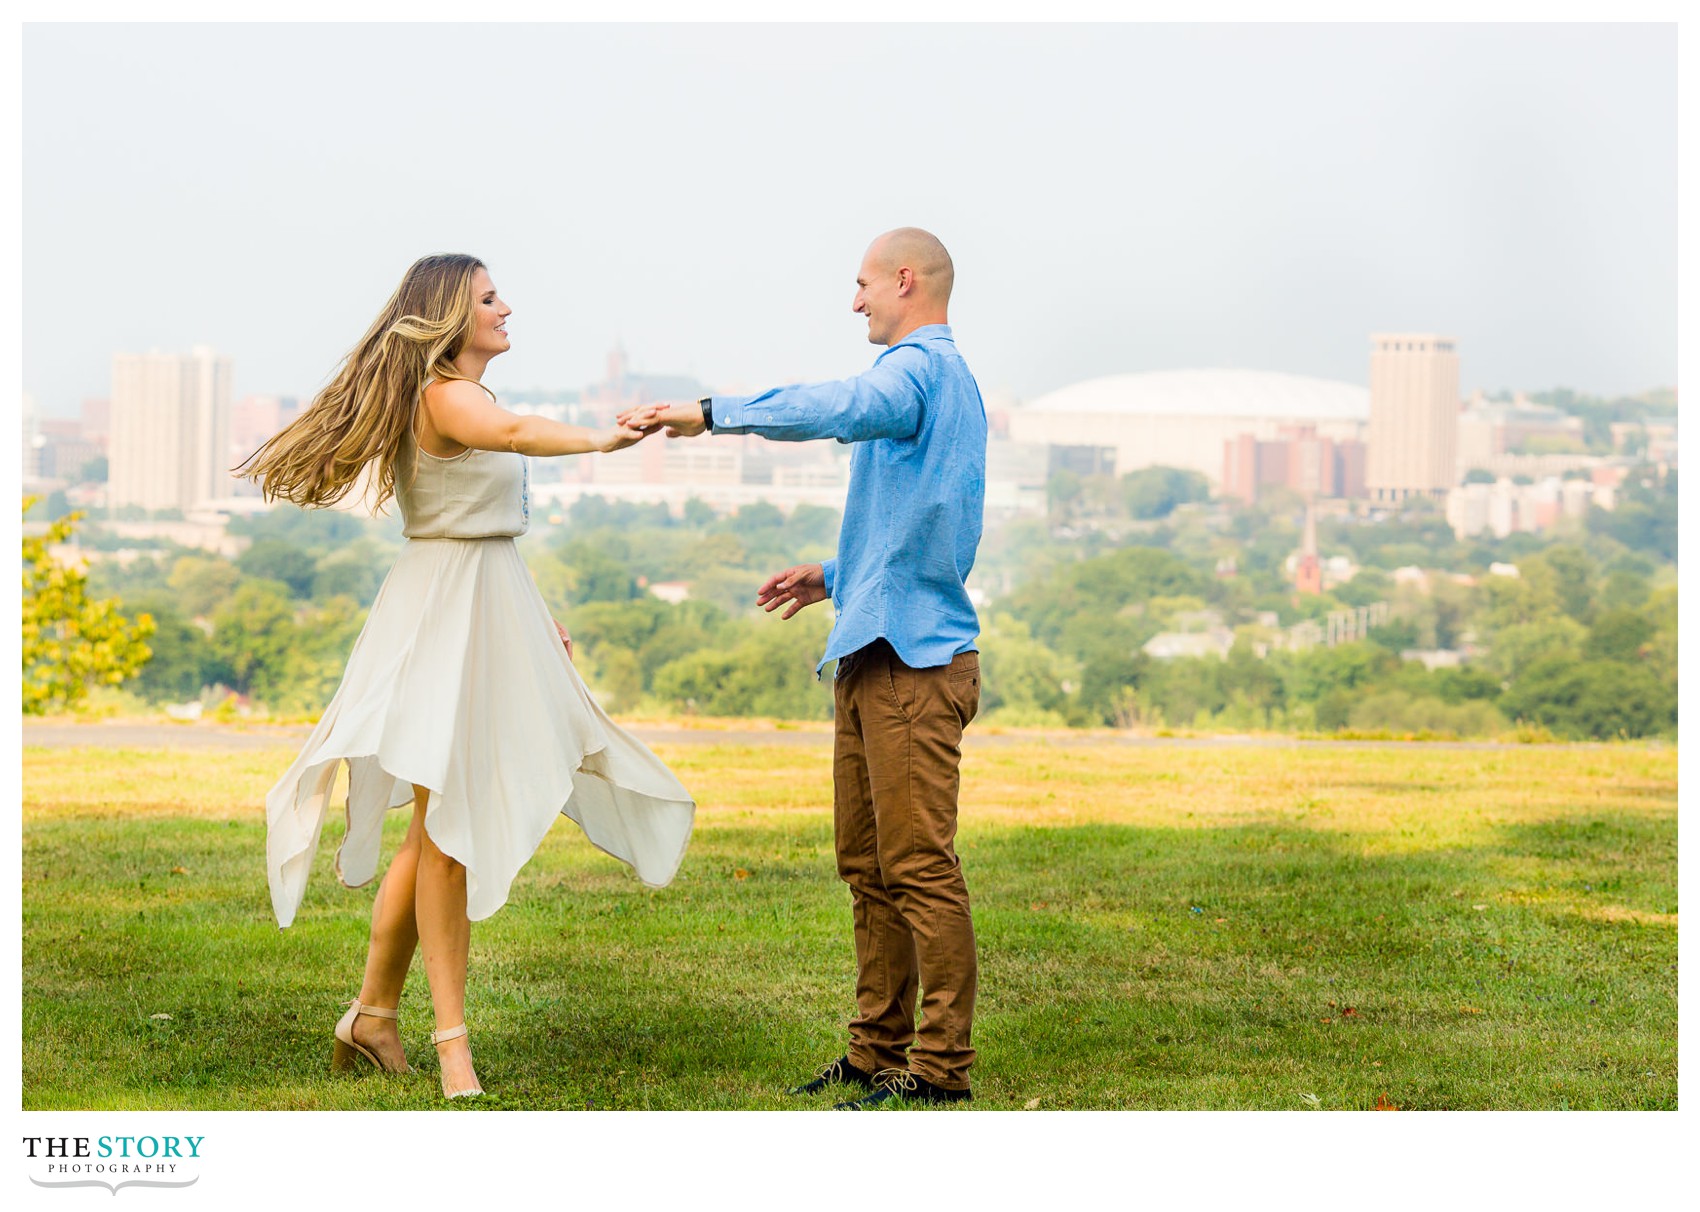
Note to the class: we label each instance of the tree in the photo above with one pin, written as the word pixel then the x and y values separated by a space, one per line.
pixel 596 576
pixel 355 571
pixel 71 641
pixel 1572 579
pixel 813 524
pixel 1020 673
pixel 758 515
pixel 1645 514
pixel 201 584
pixel 614 675
pixel 324 635
pixel 1618 635
pixel 279 560
pixel 769 673
pixel 1103 588
pixel 1521 646
pixel 319 529
pixel 1153 492
pixel 253 634
pixel 1659 652
pixel 1593 699
pixel 182 661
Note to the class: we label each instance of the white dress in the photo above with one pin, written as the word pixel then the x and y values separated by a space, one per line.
pixel 459 683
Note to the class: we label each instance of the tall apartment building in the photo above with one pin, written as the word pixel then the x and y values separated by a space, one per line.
pixel 1413 416
pixel 32 438
pixel 170 437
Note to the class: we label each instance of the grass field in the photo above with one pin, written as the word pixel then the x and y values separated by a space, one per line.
pixel 1312 927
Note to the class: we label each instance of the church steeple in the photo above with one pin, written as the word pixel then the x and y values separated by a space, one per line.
pixel 1310 562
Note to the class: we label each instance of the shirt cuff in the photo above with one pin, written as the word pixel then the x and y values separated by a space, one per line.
pixel 729 413
pixel 829 573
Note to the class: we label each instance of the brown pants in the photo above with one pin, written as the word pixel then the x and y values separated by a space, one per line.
pixel 894 771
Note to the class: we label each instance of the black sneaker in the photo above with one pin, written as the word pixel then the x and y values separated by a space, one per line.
pixel 840 1070
pixel 894 1085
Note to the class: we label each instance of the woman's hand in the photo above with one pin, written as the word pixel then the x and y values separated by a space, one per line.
pixel 566 639
pixel 619 437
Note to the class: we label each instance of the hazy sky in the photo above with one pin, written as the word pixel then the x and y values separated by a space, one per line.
pixel 1117 198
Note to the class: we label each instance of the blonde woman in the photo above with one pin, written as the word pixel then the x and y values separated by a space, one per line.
pixel 460 696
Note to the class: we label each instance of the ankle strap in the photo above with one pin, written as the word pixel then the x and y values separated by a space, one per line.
pixel 362 1008
pixel 443 1037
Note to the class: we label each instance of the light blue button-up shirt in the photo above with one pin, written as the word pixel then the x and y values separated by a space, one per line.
pixel 917 492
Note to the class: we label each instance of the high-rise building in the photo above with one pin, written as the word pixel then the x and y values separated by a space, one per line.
pixel 170 440
pixel 1413 416
pixel 33 441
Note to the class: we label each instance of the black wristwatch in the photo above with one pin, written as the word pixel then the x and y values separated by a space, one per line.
pixel 707 404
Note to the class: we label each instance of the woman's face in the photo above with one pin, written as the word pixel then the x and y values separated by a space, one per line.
pixel 490 315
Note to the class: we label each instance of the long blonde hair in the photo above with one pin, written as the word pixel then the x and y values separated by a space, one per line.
pixel 367 413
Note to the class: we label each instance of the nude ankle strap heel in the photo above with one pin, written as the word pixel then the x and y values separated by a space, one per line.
pixel 443 1037
pixel 347 1047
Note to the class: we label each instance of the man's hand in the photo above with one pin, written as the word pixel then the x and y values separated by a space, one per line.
pixel 681 420
pixel 801 586
pixel 565 638
pixel 620 437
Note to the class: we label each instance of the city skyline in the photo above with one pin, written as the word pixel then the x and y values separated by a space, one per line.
pixel 1250 197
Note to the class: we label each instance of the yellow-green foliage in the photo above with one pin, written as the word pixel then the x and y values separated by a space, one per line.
pixel 70 640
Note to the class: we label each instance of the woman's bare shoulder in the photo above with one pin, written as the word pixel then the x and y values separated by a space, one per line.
pixel 455 391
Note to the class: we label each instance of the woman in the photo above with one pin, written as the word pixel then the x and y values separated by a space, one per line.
pixel 460 696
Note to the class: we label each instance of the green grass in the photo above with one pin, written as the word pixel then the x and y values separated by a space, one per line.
pixel 1158 928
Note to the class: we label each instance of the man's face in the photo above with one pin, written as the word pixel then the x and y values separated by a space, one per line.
pixel 877 297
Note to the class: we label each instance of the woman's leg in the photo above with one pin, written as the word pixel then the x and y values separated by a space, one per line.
pixel 389 952
pixel 440 901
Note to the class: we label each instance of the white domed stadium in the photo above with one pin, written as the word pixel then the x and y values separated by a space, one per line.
pixel 1184 418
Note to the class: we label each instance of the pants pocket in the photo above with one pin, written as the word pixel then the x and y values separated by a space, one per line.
pixel 964 683
pixel 900 686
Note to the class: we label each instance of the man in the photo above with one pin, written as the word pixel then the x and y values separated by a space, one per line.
pixel 908 678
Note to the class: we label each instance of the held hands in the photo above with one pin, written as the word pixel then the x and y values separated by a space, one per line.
pixel 801 586
pixel 680 420
pixel 565 638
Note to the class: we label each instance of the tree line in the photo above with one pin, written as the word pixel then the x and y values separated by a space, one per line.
pixel 1581 643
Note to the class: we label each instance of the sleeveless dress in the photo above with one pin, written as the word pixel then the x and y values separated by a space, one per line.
pixel 459 683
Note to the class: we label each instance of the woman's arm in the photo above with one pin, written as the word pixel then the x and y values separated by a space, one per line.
pixel 462 413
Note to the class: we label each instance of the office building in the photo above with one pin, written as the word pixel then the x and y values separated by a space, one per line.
pixel 1413 416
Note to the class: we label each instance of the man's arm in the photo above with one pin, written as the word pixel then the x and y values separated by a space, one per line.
pixel 885 402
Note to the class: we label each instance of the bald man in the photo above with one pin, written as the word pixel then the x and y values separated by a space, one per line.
pixel 908 676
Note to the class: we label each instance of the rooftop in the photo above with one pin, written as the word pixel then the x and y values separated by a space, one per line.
pixel 1211 393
